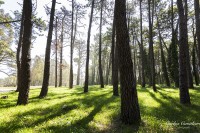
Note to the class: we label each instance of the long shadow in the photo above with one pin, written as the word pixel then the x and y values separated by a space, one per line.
pixel 83 124
pixel 47 113
pixel 172 111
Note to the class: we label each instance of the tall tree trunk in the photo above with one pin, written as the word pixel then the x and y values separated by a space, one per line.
pixel 19 46
pixel 151 51
pixel 164 66
pixel 71 49
pixel 26 56
pixel 190 78
pixel 183 80
pixel 56 55
pixel 100 43
pixel 45 83
pixel 88 49
pixel 114 59
pixel 194 63
pixel 197 13
pixel 141 47
pixel 130 112
pixel 61 52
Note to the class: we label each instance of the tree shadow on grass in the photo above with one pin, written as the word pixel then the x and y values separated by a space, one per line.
pixel 82 125
pixel 37 116
pixel 172 111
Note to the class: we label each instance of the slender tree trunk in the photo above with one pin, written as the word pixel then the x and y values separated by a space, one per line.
pixel 61 52
pixel 18 59
pixel 45 83
pixel 56 55
pixel 197 18
pixel 88 49
pixel 141 48
pixel 183 81
pixel 130 112
pixel 71 50
pixel 26 56
pixel 164 66
pixel 151 51
pixel 100 43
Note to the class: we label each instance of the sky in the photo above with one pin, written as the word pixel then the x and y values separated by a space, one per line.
pixel 40 43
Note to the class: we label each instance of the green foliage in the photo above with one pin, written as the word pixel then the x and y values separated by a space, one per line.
pixel 71 110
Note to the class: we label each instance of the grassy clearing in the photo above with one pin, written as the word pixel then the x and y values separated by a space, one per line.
pixel 98 111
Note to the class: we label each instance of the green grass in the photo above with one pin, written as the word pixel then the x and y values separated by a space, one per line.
pixel 98 111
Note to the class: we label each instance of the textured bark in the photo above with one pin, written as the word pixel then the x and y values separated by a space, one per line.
pixel 45 83
pixel 100 43
pixel 88 49
pixel 141 48
pixel 56 55
pixel 19 46
pixel 130 112
pixel 164 66
pixel 114 55
pixel 71 49
pixel 151 51
pixel 189 72
pixel 26 56
pixel 183 77
pixel 197 13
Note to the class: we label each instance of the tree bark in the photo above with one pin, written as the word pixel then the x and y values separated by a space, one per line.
pixel 19 46
pixel 151 51
pixel 141 48
pixel 197 13
pixel 183 77
pixel 88 49
pixel 100 43
pixel 71 49
pixel 45 83
pixel 130 112
pixel 56 55
pixel 26 56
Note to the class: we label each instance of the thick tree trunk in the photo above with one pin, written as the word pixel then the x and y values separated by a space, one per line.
pixel 18 58
pixel 26 56
pixel 88 49
pixel 189 72
pixel 183 80
pixel 71 49
pixel 151 51
pixel 100 43
pixel 130 112
pixel 45 83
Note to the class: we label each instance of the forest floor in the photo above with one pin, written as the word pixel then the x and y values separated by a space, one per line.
pixel 70 110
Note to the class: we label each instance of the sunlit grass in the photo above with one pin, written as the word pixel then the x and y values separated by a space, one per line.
pixel 71 110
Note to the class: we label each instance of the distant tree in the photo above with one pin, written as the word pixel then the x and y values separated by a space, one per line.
pixel 26 59
pixel 45 83
pixel 130 112
pixel 183 77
